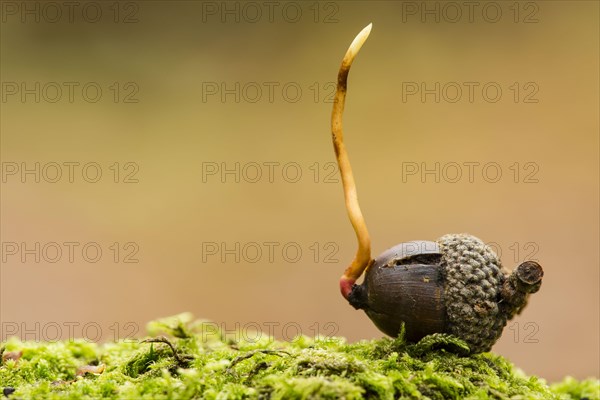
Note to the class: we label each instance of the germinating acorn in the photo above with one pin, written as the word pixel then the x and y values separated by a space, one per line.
pixel 454 285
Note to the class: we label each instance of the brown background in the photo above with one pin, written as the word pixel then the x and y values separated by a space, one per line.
pixel 175 49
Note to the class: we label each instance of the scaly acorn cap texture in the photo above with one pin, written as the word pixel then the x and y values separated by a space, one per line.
pixel 480 296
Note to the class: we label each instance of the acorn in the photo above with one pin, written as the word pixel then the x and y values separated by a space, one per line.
pixel 455 285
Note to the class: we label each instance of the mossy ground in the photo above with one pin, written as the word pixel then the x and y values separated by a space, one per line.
pixel 207 365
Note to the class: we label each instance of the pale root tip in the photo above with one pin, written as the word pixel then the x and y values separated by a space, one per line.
pixel 366 32
pixel 358 41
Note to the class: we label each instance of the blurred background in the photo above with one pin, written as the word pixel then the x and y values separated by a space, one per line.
pixel 161 157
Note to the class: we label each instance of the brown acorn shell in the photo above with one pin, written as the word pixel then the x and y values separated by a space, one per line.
pixel 404 284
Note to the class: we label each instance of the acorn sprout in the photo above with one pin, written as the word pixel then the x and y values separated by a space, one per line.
pixel 454 285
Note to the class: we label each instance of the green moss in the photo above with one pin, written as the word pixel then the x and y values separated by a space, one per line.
pixel 206 364
pixel 579 390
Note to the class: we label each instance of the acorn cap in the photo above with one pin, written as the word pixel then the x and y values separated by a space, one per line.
pixel 480 295
pixel 473 278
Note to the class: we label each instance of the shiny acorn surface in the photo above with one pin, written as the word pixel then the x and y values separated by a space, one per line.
pixel 404 285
